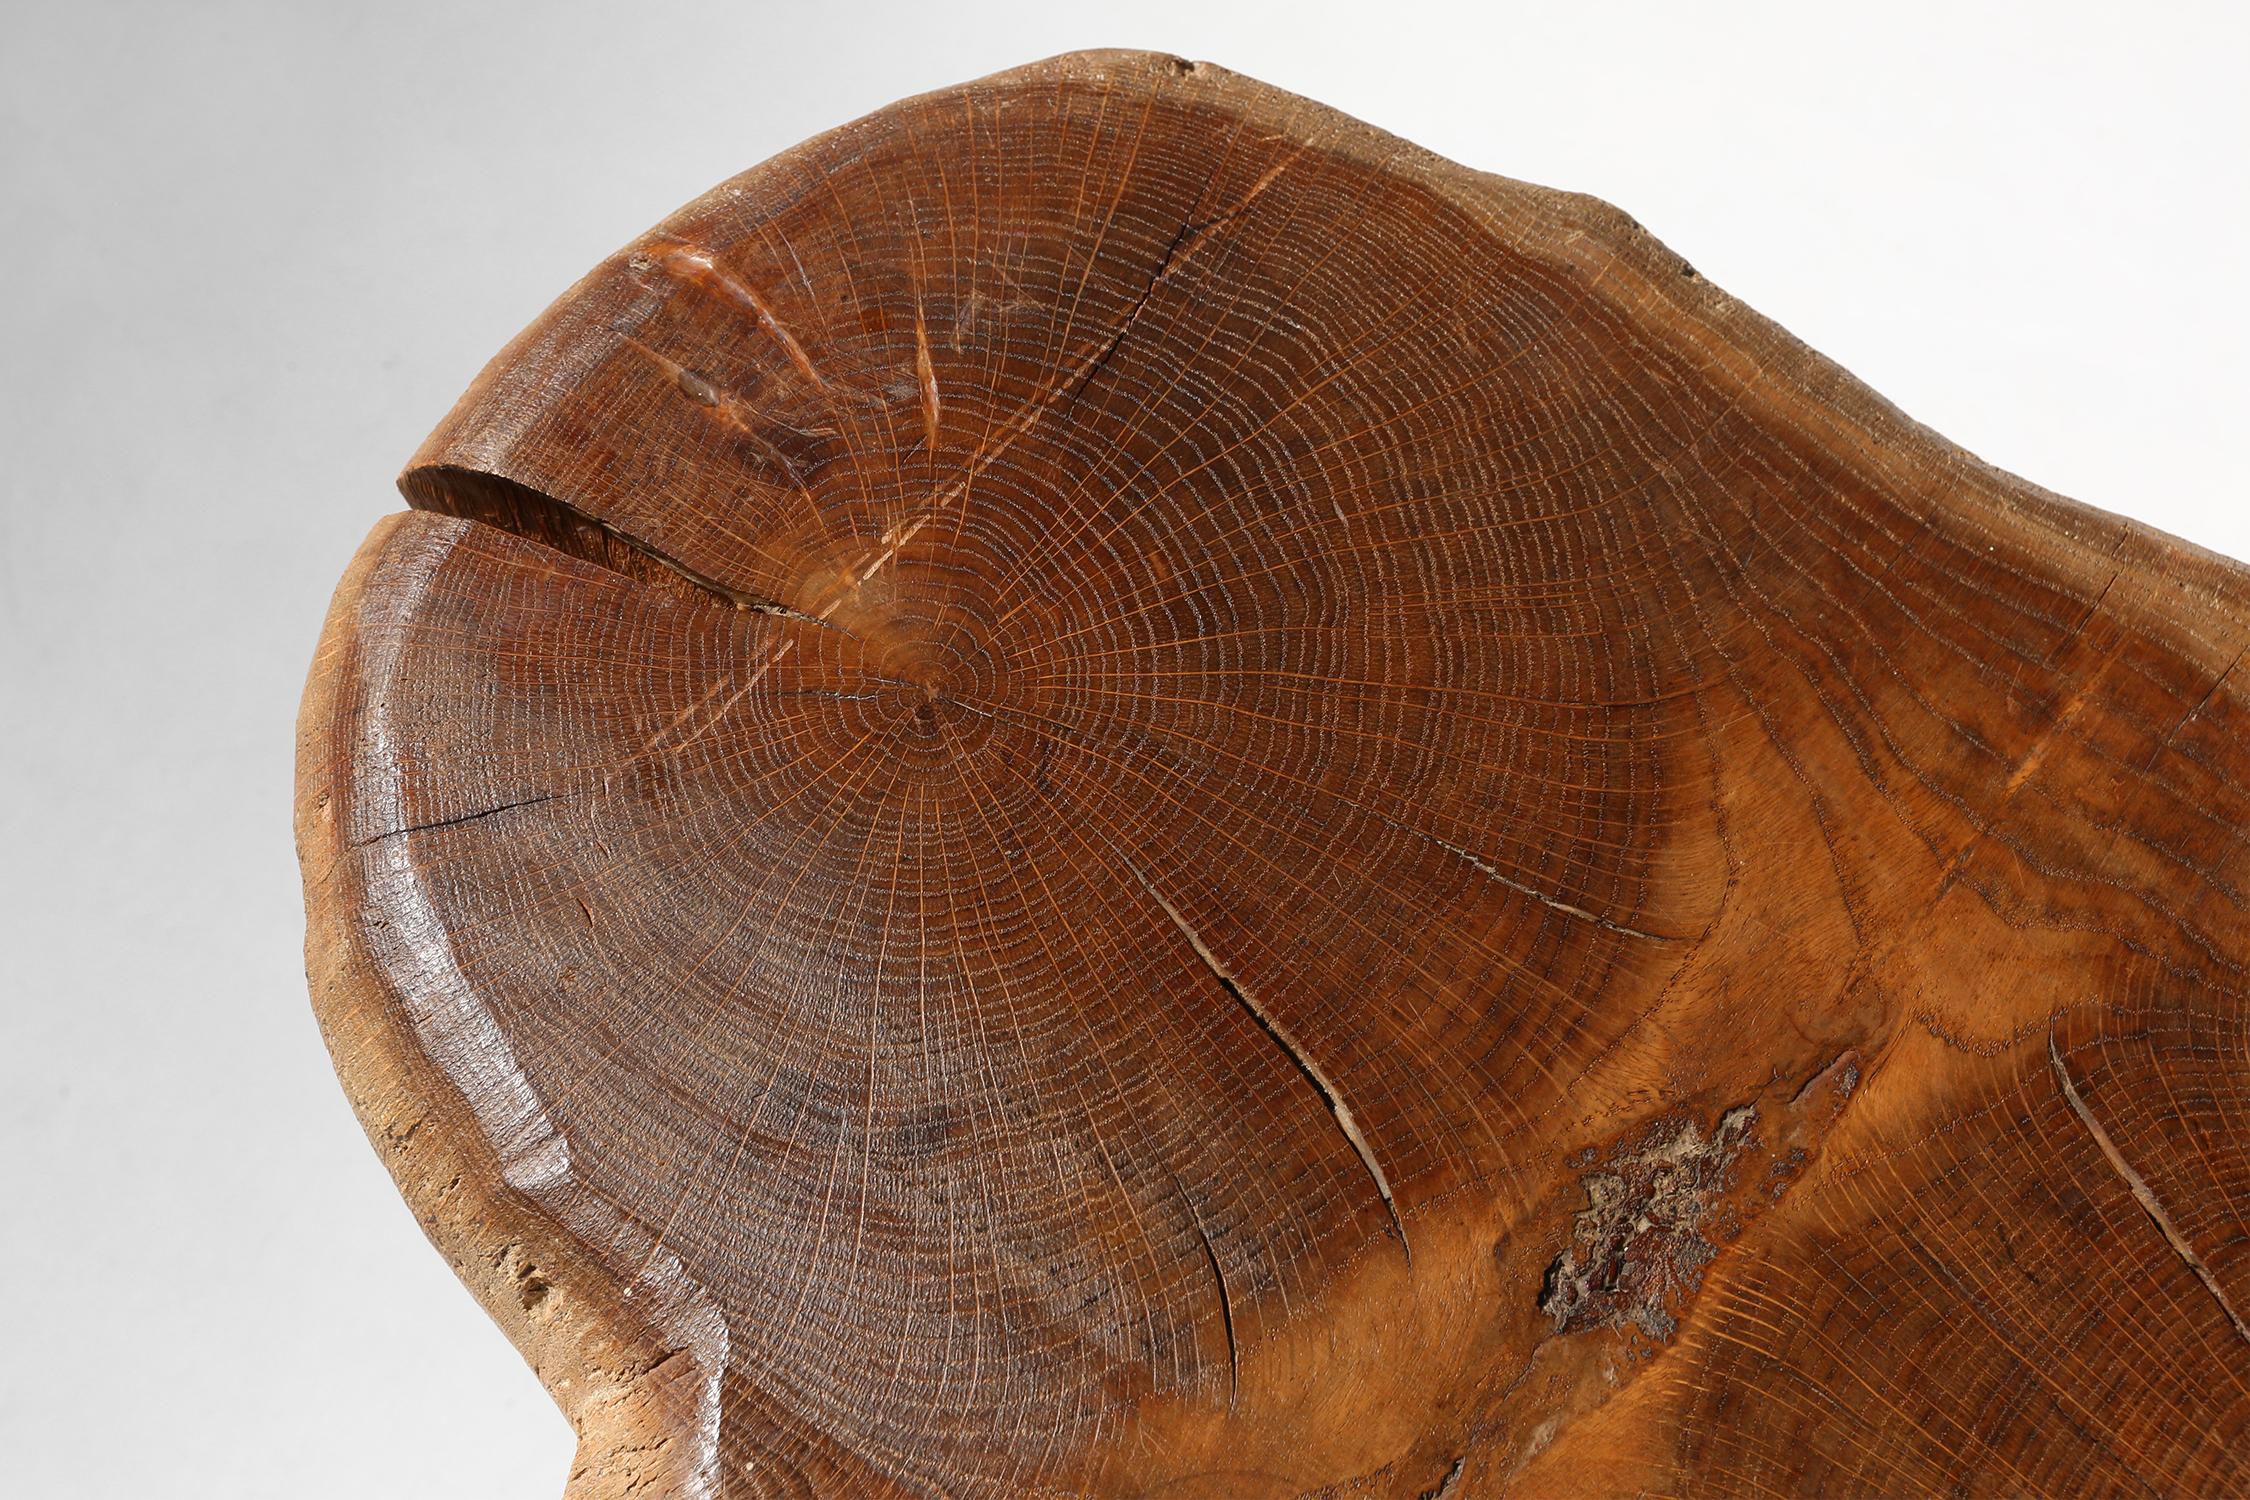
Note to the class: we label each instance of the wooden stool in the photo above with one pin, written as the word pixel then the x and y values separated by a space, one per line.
pixel 1107 786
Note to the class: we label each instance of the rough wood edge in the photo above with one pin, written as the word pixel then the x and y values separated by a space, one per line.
pixel 608 1370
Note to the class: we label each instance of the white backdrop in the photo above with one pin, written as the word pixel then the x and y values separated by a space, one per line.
pixel 251 253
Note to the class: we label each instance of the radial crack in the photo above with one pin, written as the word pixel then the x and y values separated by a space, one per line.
pixel 1305 1065
pixel 489 812
pixel 1226 1316
pixel 548 521
pixel 1185 242
pixel 2141 1189
pixel 1542 897
pixel 1133 313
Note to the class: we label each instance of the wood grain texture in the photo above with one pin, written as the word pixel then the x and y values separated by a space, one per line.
pixel 1107 786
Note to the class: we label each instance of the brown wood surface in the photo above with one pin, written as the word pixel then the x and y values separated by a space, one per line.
pixel 1109 786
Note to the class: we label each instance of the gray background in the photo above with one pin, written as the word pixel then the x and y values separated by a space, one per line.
pixel 252 252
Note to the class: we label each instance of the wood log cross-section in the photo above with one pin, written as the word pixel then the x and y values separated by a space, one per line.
pixel 1108 786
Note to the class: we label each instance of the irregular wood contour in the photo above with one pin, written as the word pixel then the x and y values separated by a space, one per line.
pixel 1108 786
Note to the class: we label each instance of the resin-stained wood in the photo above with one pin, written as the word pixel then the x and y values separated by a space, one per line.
pixel 1106 786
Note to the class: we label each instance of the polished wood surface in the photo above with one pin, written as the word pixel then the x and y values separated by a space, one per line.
pixel 1107 786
